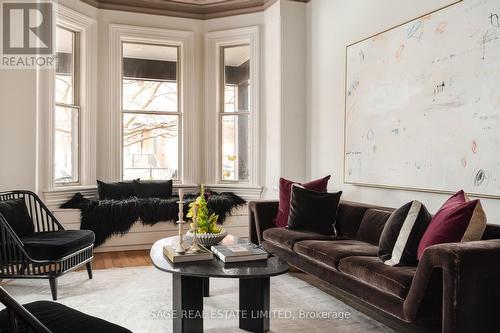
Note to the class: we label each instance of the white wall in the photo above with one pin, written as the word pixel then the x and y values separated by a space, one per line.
pixel 17 129
pixel 271 131
pixel 294 90
pixel 285 137
pixel 333 24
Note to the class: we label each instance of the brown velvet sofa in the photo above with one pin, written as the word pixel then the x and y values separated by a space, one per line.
pixel 456 283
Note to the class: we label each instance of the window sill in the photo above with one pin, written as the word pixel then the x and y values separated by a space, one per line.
pixel 56 196
pixel 246 191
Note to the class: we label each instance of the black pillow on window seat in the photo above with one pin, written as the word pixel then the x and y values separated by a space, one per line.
pixel 161 189
pixel 115 191
pixel 16 214
pixel 313 211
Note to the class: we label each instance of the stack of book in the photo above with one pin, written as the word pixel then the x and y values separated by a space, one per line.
pixel 175 257
pixel 239 252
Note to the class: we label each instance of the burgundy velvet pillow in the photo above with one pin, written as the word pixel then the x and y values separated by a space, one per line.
pixel 318 185
pixel 459 219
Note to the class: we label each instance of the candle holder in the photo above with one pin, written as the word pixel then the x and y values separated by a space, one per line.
pixel 180 247
pixel 194 248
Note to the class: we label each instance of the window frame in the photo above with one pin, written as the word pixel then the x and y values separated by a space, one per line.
pixel 76 92
pixel 178 113
pixel 215 42
pixel 237 114
pixel 118 33
pixel 45 103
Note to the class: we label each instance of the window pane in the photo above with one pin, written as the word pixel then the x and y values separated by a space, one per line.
pixel 230 98
pixel 64 66
pixel 150 146
pixel 235 147
pixel 150 77
pixel 66 145
pixel 237 78
pixel 150 95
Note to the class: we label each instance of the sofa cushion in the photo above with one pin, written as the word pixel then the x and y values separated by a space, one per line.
pixel 318 185
pixel 59 318
pixel 53 245
pixel 458 220
pixel 287 238
pixel 402 233
pixel 16 215
pixel 330 253
pixel 372 225
pixel 395 280
pixel 313 211
pixel 350 215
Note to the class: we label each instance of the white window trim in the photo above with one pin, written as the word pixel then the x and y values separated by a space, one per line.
pixel 185 40
pixel 87 29
pixel 214 41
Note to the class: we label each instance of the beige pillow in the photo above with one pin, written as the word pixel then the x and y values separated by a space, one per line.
pixel 475 230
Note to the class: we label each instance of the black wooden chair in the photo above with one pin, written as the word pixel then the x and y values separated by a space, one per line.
pixel 34 245
pixel 49 317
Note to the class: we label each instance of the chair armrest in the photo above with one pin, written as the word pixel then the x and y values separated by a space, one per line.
pixel 17 311
pixel 470 276
pixel 261 214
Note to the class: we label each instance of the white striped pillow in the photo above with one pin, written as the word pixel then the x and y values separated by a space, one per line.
pixel 402 232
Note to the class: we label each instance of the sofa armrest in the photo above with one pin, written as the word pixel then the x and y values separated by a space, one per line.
pixel 470 276
pixel 261 214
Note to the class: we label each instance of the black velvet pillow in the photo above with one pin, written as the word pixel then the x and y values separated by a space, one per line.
pixel 161 189
pixel 16 214
pixel 402 234
pixel 313 211
pixel 115 191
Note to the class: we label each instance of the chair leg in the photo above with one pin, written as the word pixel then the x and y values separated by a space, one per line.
pixel 89 269
pixel 53 288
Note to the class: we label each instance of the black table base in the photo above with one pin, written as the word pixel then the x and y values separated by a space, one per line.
pixel 187 300
pixel 187 303
pixel 254 304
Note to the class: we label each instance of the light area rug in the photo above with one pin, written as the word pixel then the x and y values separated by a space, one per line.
pixel 140 299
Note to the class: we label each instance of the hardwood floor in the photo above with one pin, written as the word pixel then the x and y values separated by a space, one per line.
pixel 120 259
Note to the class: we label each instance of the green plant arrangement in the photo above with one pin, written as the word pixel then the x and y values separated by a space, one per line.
pixel 207 220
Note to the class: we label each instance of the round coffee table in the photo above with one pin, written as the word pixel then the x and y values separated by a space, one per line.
pixel 190 283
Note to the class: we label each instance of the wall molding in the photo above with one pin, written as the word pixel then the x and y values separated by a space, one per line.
pixel 201 10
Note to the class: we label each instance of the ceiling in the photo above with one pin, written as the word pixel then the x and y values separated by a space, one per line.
pixel 197 9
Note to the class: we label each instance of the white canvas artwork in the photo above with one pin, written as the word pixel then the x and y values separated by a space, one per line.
pixel 423 103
